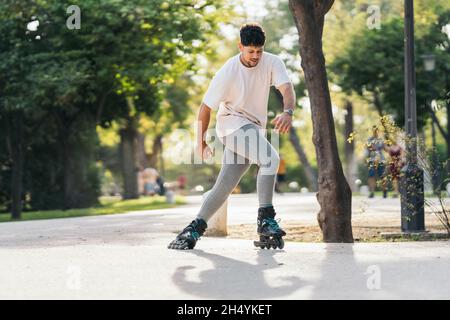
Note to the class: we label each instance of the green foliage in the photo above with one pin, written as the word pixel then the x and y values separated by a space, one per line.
pixel 414 150
pixel 122 63
pixel 106 206
pixel 373 64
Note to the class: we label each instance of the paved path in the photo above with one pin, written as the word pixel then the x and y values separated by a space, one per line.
pixel 125 256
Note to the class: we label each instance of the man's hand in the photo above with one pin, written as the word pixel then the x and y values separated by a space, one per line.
pixel 204 151
pixel 282 122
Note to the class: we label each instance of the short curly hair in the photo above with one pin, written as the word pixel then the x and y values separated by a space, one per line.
pixel 252 34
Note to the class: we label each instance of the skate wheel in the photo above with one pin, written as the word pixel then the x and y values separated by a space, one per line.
pixel 262 242
pixel 274 243
pixel 259 244
pixel 281 243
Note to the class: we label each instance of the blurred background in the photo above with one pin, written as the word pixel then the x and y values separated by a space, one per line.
pixel 98 98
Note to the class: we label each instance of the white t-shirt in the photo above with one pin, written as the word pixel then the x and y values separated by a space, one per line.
pixel 241 94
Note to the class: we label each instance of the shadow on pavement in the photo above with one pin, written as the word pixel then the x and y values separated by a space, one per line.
pixel 234 279
pixel 408 276
pixel 338 269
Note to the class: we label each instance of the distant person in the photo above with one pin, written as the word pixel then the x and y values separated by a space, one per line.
pixel 376 162
pixel 396 163
pixel 182 182
pixel 151 186
pixel 161 188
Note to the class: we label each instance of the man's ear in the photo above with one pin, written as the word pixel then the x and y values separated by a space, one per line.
pixel 240 46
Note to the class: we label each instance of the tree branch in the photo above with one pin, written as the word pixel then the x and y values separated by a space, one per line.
pixel 101 106
pixel 436 121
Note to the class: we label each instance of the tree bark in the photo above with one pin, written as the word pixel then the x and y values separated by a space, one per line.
pixel 78 157
pixel 349 147
pixel 448 138
pixel 17 155
pixel 128 142
pixel 141 154
pixel 434 118
pixel 334 195
pixel 309 172
pixel 446 135
pixel 161 160
pixel 377 103
pixel 156 150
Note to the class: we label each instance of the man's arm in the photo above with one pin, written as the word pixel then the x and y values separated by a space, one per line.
pixel 204 116
pixel 288 93
pixel 283 121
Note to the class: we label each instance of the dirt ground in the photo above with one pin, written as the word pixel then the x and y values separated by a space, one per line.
pixel 364 230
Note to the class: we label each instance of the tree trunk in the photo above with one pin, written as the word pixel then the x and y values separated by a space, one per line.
pixel 445 135
pixel 349 146
pixel 377 103
pixel 309 172
pixel 141 154
pixel 448 135
pixel 334 194
pixel 156 150
pixel 161 161
pixel 17 155
pixel 128 142
pixel 77 138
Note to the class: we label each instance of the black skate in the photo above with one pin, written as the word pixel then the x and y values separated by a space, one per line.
pixel 270 233
pixel 189 236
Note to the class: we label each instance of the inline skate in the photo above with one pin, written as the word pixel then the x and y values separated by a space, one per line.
pixel 270 233
pixel 189 236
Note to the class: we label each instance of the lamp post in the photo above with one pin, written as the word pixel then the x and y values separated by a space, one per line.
pixel 429 64
pixel 412 196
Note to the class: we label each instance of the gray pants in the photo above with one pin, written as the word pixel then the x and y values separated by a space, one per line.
pixel 242 148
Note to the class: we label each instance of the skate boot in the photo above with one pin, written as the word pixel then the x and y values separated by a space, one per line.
pixel 189 236
pixel 270 233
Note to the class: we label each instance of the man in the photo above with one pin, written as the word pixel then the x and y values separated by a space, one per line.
pixel 239 92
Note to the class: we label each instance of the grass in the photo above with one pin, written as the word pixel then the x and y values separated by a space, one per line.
pixel 107 206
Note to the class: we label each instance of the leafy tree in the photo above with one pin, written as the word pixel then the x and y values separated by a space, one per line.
pixel 57 84
pixel 372 66
pixel 164 39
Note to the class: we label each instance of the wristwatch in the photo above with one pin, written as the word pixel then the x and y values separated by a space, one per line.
pixel 289 112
